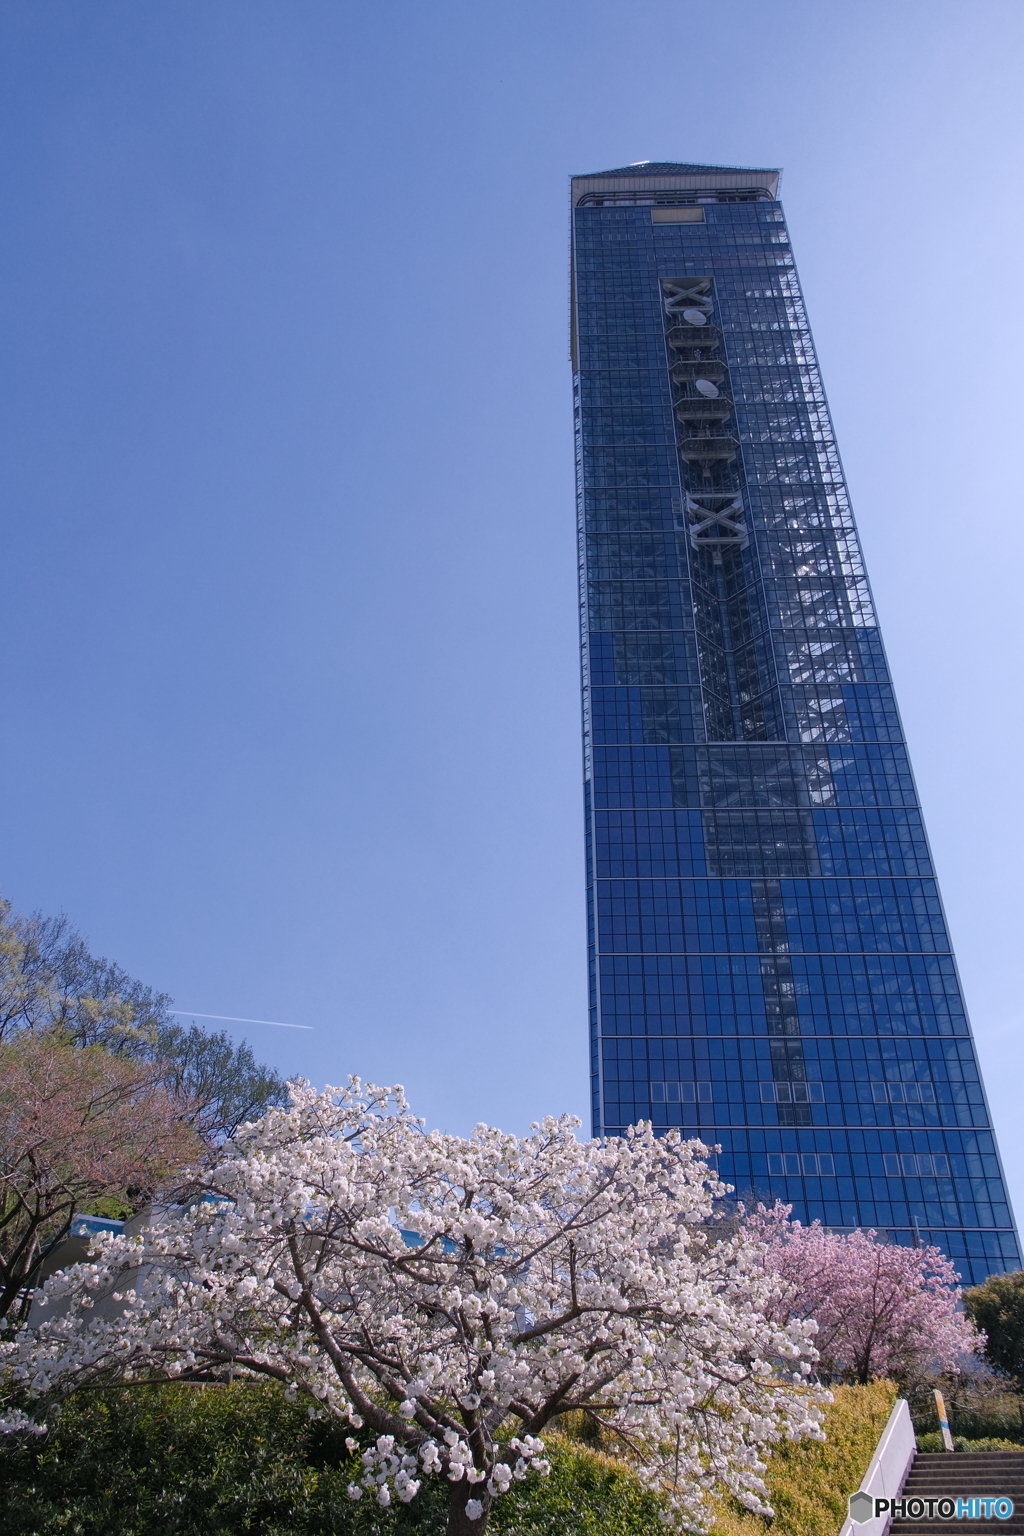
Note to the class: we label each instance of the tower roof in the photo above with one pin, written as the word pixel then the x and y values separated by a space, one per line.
pixel 675 168
pixel 676 176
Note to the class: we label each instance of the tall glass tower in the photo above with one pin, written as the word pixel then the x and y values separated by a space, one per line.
pixel 770 967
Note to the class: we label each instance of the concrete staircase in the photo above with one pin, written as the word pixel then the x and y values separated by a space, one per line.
pixel 962 1475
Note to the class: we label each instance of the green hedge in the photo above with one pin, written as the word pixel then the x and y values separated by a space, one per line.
pixel 215 1461
pixel 932 1441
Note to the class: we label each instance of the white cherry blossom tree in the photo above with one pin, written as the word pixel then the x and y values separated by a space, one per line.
pixel 451 1296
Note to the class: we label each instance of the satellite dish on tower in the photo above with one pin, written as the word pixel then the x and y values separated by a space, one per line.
pixel 695 317
pixel 706 388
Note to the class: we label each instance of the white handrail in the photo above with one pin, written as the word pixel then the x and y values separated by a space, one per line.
pixel 887 1470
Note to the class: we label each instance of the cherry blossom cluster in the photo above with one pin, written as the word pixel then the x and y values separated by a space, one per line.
pixel 15 1421
pixel 385 1468
pixel 443 1291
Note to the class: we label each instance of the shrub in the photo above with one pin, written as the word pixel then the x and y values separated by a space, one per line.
pixel 932 1441
pixel 216 1461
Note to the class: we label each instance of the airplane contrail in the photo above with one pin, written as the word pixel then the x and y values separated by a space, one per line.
pixel 230 1018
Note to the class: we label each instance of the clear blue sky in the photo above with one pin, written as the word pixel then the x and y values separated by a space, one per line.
pixel 288 578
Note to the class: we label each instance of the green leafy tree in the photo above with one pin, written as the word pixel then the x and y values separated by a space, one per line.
pixel 997 1309
pixel 223 1082
pixel 49 982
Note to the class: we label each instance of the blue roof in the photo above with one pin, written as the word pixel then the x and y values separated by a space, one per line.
pixel 86 1226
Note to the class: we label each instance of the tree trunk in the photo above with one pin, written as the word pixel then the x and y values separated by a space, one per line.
pixel 459 1495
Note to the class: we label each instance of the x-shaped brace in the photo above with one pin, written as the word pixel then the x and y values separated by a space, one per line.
pixel 714 527
pixel 681 294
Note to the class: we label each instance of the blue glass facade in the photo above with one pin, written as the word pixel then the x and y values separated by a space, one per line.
pixel 769 962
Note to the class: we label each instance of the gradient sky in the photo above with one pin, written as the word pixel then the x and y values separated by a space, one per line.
pixel 288 576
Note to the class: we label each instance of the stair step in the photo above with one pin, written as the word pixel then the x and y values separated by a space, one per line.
pixel 1015 1521
pixel 953 1483
pixel 981 1480
pixel 931 1458
pixel 961 1490
pixel 1014 1526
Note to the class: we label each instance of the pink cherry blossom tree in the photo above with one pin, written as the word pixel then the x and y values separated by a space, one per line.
pixel 453 1296
pixel 75 1124
pixel 881 1309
